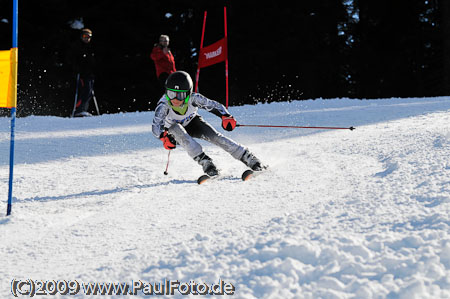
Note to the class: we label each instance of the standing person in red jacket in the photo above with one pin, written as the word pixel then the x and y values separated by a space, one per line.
pixel 163 58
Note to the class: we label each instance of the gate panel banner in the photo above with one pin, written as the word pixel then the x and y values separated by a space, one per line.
pixel 8 78
pixel 213 54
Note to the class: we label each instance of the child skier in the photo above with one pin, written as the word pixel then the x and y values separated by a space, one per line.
pixel 177 121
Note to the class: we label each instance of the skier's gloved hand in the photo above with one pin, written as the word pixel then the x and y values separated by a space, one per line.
pixel 228 122
pixel 168 141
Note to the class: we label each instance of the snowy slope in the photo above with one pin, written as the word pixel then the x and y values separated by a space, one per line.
pixel 340 214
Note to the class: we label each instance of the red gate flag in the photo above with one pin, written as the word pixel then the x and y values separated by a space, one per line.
pixel 213 54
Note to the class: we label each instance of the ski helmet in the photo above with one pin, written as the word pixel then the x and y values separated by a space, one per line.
pixel 179 86
pixel 86 31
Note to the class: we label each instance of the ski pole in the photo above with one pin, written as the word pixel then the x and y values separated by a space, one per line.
pixel 167 165
pixel 96 105
pixel 296 127
pixel 76 96
pixel 95 102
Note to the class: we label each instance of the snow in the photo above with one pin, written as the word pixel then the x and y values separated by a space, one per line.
pixel 76 24
pixel 339 214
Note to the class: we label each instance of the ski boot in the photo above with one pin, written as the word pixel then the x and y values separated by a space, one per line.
pixel 252 162
pixel 208 166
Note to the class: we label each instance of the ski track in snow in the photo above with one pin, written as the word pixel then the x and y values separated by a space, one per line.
pixel 339 214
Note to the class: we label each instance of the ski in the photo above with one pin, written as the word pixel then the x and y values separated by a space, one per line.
pixel 204 178
pixel 248 174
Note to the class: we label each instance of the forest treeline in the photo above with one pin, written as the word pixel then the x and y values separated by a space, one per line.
pixel 278 51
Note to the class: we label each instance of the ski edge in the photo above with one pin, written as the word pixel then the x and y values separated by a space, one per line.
pixel 246 175
pixel 204 178
pixel 249 173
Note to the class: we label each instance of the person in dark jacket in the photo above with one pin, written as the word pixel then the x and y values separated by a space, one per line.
pixel 164 60
pixel 82 59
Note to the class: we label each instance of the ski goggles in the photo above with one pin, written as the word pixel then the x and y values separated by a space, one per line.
pixel 181 95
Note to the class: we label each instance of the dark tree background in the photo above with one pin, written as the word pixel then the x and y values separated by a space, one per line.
pixel 278 51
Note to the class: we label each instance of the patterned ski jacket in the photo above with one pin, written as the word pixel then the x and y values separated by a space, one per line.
pixel 165 116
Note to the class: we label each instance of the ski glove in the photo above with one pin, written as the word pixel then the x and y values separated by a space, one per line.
pixel 168 141
pixel 228 123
